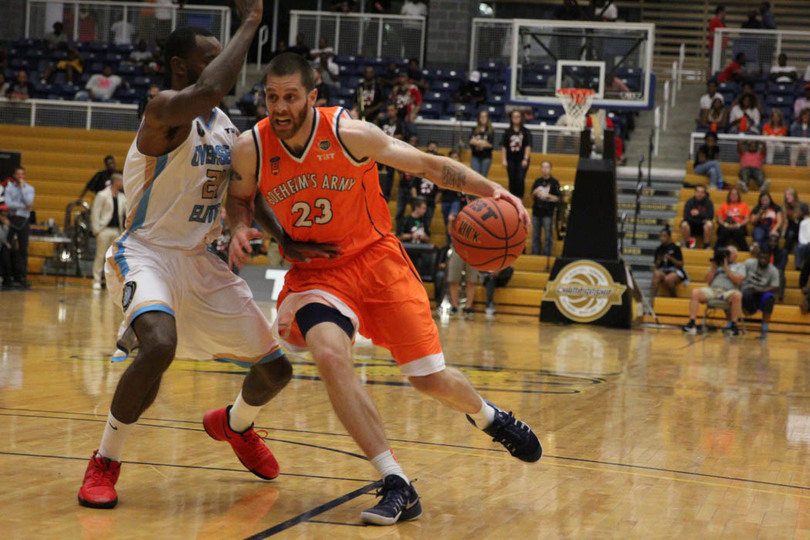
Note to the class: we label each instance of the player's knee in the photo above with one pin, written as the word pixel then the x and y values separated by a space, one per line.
pixel 277 372
pixel 432 384
pixel 332 362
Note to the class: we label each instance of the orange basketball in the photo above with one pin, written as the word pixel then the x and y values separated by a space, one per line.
pixel 488 234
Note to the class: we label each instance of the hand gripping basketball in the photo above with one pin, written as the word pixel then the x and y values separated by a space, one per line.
pixel 488 233
pixel 523 215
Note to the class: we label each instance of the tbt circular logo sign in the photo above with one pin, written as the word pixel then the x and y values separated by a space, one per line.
pixel 584 291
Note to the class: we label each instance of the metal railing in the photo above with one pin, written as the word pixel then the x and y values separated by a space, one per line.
pixel 761 47
pixel 785 149
pixel 122 22
pixel 362 34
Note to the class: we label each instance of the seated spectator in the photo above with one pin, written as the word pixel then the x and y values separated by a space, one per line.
pixel 4 84
pixel 472 91
pixel 795 211
pixel 422 188
pixel 451 202
pixel 783 73
pixel 322 89
pixel 395 127
pixel 598 122
pixel 389 77
pixel 56 39
pixel 734 72
pixel 407 98
pixel 802 244
pixel 5 247
pixel 760 287
pixel 710 95
pixel 456 267
pixel 669 268
pixel 412 229
pixel 281 47
pixel 733 217
pixel 415 75
pixel 779 258
pixel 748 89
pixel 101 86
pixel 20 88
pixel 803 102
pixel 102 179
pixel 482 140
pixel 73 65
pixel 492 280
pixel 698 213
pixel 724 278
pixel 715 118
pixel 300 47
pixel 775 127
pixel 545 194
pixel 767 218
pixel 150 95
pixel 744 116
pixel 706 162
pixel 800 128
pixel 369 96
pixel 325 64
pixel 752 157
pixel 141 55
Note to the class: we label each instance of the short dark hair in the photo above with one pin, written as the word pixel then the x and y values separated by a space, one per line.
pixel 107 158
pixel 19 168
pixel 719 8
pixel 418 201
pixel 712 134
pixel 431 141
pixel 180 43
pixel 289 64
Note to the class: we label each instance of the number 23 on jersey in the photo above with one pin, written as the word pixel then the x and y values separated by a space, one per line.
pixel 321 215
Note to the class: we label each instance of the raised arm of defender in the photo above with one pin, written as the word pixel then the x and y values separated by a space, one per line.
pixel 367 140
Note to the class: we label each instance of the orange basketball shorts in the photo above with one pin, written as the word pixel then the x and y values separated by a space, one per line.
pixel 380 291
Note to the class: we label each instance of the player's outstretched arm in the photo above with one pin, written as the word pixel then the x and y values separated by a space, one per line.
pixel 365 139
pixel 176 108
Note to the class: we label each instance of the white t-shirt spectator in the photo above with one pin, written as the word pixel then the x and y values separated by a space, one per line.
pixel 783 69
pixel 804 231
pixel 140 56
pixel 414 9
pixel 753 115
pixel 706 100
pixel 122 32
pixel 611 13
pixel 103 87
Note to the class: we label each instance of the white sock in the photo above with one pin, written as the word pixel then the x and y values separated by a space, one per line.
pixel 387 464
pixel 115 435
pixel 485 416
pixel 242 415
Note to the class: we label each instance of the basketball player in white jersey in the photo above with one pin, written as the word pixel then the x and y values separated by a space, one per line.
pixel 177 298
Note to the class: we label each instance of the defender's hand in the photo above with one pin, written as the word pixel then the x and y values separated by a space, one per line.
pixel 239 251
pixel 246 9
pixel 501 193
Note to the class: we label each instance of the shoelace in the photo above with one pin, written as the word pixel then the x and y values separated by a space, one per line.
pixel 509 430
pixel 101 472
pixel 253 442
pixel 391 496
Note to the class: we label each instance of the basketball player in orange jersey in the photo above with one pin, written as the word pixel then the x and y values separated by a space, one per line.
pixel 177 298
pixel 317 169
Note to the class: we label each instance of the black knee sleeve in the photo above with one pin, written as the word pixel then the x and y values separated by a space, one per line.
pixel 316 313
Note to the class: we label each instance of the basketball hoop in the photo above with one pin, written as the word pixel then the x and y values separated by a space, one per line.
pixel 576 102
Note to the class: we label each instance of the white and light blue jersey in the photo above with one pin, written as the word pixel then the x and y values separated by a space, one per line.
pixel 174 200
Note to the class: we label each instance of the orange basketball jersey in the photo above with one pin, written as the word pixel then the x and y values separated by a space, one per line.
pixel 325 194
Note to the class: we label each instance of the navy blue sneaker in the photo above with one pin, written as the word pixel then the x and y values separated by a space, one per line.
pixel 400 502
pixel 516 436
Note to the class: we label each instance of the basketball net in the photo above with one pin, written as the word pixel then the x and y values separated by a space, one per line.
pixel 576 102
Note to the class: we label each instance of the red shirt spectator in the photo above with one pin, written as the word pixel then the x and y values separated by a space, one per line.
pixel 717 22
pixel 407 98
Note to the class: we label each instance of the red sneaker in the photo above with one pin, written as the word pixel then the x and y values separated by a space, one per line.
pixel 98 488
pixel 248 446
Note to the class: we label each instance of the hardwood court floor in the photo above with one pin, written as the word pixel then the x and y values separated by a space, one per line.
pixel 648 434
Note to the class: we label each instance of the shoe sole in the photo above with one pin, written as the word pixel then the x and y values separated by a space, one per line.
pixel 263 477
pixel 103 506
pixel 406 515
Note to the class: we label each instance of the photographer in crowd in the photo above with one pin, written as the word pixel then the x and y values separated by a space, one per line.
pixel 760 286
pixel 724 278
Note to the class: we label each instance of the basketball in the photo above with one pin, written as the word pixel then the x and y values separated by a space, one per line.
pixel 488 234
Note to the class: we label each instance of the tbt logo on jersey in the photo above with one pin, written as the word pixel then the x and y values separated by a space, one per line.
pixel 275 164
